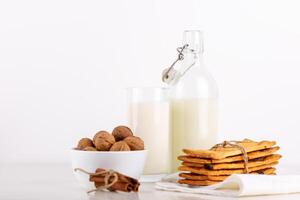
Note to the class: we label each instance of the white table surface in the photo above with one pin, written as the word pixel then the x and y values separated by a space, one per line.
pixel 54 181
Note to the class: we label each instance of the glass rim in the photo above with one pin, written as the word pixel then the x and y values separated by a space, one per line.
pixel 147 88
pixel 145 94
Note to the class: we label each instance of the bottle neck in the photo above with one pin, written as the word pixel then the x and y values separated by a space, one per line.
pixel 191 62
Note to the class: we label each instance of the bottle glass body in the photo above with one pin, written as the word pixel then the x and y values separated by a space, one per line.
pixel 194 102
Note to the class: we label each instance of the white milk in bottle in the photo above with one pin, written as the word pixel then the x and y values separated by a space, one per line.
pixel 194 125
pixel 193 100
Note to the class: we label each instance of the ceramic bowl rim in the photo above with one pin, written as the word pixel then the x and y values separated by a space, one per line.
pixel 108 152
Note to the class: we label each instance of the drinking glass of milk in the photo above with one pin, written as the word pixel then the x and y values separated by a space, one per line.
pixel 149 118
pixel 193 99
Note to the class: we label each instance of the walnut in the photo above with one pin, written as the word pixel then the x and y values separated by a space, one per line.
pixel 121 132
pixel 135 143
pixel 103 141
pixel 90 149
pixel 84 142
pixel 120 146
pixel 97 134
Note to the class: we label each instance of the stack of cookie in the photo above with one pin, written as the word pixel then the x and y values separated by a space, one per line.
pixel 207 167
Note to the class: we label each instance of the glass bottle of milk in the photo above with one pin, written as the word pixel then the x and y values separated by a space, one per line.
pixel 194 97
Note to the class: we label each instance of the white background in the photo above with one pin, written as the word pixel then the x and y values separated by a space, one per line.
pixel 64 65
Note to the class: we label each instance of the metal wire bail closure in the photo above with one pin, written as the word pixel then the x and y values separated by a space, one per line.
pixel 170 74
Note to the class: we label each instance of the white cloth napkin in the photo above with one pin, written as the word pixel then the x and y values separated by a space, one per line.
pixel 238 185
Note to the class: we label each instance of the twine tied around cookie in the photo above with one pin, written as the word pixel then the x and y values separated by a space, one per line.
pixel 235 144
pixel 108 174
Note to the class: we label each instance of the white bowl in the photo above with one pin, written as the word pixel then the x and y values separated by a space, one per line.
pixel 130 163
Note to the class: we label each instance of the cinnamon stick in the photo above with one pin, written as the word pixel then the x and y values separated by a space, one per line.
pixel 124 183
pixel 122 177
pixel 120 186
pixel 136 187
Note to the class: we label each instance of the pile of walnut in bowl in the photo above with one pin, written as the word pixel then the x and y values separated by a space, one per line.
pixel 121 139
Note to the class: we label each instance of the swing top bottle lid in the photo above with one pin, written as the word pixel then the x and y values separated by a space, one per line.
pixel 194 40
pixel 192 45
